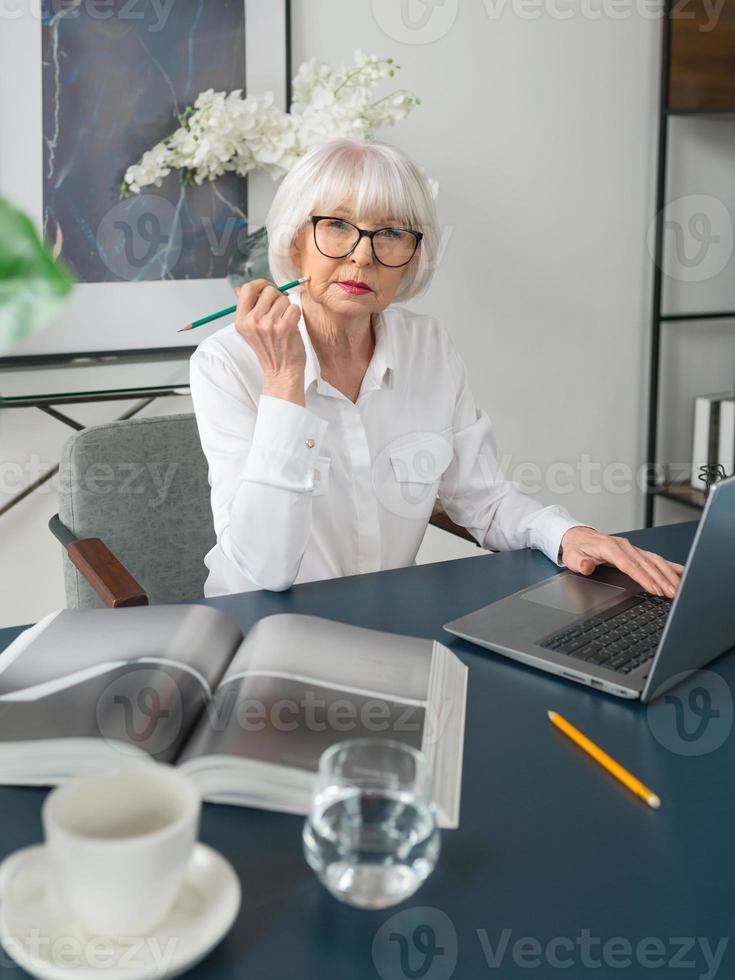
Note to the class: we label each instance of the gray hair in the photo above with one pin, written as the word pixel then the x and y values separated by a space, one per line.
pixel 382 180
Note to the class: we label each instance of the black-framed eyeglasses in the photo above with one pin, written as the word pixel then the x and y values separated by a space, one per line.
pixel 337 238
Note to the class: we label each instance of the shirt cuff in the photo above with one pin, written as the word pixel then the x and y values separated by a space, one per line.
pixel 550 527
pixel 287 439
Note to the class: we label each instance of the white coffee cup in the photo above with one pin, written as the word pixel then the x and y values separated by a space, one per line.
pixel 120 841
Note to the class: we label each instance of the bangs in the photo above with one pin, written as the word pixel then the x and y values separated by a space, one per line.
pixel 369 182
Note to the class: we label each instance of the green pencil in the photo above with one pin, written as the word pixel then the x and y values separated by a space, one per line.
pixel 233 309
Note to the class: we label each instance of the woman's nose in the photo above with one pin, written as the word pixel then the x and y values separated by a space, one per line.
pixel 363 253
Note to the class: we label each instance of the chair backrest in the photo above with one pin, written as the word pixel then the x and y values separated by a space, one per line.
pixel 141 485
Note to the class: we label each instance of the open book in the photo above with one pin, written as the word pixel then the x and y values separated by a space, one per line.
pixel 246 717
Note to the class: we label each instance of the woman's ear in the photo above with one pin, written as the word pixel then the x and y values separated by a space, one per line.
pixel 296 252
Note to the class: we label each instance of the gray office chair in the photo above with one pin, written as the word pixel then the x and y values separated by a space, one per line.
pixel 134 513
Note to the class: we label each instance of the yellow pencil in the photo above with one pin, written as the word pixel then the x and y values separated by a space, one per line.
pixel 626 778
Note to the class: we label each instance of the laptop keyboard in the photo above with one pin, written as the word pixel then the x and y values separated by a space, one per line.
pixel 620 639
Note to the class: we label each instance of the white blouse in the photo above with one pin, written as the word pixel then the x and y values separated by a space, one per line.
pixel 339 488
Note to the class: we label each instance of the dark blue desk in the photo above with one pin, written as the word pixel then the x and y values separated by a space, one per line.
pixel 552 852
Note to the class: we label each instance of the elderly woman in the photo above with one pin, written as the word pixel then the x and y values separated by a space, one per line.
pixel 334 417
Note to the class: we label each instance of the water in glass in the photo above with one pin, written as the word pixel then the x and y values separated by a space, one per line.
pixel 371 835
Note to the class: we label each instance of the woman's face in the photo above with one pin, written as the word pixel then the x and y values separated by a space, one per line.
pixel 359 266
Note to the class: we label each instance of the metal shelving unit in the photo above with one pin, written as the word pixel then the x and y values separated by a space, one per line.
pixel 682 493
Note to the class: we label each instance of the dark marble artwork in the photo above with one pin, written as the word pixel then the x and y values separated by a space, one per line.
pixel 115 75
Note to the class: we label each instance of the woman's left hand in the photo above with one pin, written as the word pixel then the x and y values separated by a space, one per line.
pixel 583 549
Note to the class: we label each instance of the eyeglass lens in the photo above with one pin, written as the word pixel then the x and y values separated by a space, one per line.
pixel 335 238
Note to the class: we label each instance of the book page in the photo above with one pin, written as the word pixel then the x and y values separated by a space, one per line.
pixel 138 676
pixel 148 707
pixel 316 650
pixel 299 683
pixel 287 723
pixel 77 644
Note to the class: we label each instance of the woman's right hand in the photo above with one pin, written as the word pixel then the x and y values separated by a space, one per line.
pixel 268 321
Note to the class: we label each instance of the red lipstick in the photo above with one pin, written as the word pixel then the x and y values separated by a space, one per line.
pixel 354 287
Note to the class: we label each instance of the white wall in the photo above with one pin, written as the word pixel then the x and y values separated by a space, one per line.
pixel 541 133
pixel 541 126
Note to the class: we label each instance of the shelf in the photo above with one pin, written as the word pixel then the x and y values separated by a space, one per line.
pixel 726 112
pixel 697 80
pixel 133 355
pixel 684 317
pixel 682 493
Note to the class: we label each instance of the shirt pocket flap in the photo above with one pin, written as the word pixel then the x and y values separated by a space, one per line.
pixel 422 457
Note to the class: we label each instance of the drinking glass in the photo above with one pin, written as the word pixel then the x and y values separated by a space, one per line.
pixel 371 834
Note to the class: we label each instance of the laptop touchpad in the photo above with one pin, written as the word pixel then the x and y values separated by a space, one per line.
pixel 572 594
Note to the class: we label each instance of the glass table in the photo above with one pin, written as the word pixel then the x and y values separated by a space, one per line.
pixel 93 378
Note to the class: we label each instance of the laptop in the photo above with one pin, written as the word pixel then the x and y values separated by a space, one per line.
pixel 605 631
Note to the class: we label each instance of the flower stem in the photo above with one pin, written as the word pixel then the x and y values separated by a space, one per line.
pixel 355 71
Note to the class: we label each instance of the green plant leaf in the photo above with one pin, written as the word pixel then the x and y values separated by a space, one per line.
pixel 33 285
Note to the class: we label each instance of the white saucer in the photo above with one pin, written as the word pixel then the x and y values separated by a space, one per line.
pixel 48 943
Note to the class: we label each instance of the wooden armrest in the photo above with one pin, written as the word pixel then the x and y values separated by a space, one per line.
pixel 441 520
pixel 109 578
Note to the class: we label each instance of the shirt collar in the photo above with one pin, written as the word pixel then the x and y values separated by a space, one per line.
pixel 381 369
